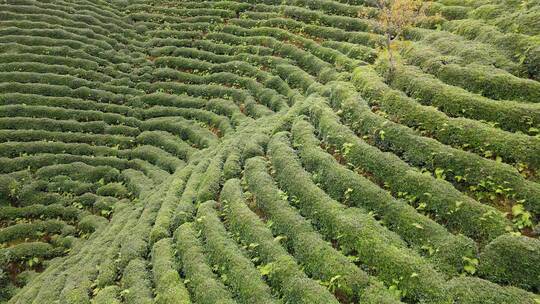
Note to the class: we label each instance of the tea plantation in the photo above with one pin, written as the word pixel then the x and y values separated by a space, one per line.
pixel 268 151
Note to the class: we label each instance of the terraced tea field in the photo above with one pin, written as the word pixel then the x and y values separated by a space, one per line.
pixel 268 151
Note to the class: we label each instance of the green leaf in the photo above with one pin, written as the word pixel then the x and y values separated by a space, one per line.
pixel 470 269
pixel 266 270
pixel 418 226
pixel 279 238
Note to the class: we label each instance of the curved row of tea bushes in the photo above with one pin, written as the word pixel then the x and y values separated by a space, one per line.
pixel 352 189
pixel 210 91
pixel 130 243
pixel 27 251
pixel 375 246
pixel 457 132
pixel 187 130
pixel 57 15
pixel 64 80
pixel 519 47
pixel 61 90
pixel 105 16
pixel 42 19
pixel 67 114
pixel 169 287
pixel 501 15
pixel 90 62
pixel 266 96
pixel 147 153
pixel 59 37
pixel 472 290
pixel 508 115
pixel 234 54
pixel 460 166
pixel 65 126
pixel 167 142
pixel 136 280
pixel 34 230
pixel 284 274
pixel 164 218
pixel 68 103
pixel 455 102
pixel 203 284
pixel 241 275
pixel 185 208
pixel 57 282
pixel 34 64
pixel 511 259
pixel 219 122
pixel 484 80
pixel 458 213
pixel 120 141
pixel 318 258
pixel 451 44
pixel 53 211
pixel 108 268
pixel 80 283
pixel 212 180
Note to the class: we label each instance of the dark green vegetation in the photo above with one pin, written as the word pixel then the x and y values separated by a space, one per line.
pixel 267 152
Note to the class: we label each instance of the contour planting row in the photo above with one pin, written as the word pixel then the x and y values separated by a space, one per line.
pixel 467 171
pixel 319 259
pixel 457 132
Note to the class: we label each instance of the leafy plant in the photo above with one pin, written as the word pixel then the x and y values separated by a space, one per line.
pixel 33 261
pixel 266 270
pixel 395 289
pixel 333 284
pixel 520 217
pixel 470 265
pixel 346 149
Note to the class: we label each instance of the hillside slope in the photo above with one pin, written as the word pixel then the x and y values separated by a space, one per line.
pixel 268 152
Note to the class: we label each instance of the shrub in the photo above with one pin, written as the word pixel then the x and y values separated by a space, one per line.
pixel 169 287
pixel 319 259
pixel 107 295
pixel 136 283
pixel 355 231
pixel 462 168
pixel 469 290
pixel 242 277
pixel 24 251
pixel 91 223
pixel 113 189
pixel 211 180
pixel 34 230
pixel 203 284
pixel 511 259
pixel 352 189
pixel 439 196
pixel 511 147
pixel 164 219
pixel 283 272
pixel 186 206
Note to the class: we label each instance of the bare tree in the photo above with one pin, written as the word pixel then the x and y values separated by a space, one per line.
pixel 395 16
